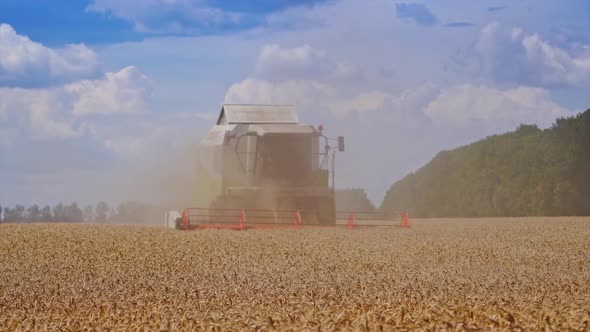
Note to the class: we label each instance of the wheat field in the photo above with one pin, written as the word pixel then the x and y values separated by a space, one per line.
pixel 499 274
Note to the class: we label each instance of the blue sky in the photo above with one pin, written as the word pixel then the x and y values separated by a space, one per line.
pixel 100 99
pixel 56 23
pixel 62 22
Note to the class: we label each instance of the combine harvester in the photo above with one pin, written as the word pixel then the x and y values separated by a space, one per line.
pixel 258 167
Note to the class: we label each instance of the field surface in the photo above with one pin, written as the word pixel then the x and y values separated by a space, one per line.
pixel 500 274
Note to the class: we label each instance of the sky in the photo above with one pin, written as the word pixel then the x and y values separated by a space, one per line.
pixel 97 96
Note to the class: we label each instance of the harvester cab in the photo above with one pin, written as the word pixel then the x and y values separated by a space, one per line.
pixel 259 157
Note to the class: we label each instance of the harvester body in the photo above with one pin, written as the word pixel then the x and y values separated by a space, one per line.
pixel 261 157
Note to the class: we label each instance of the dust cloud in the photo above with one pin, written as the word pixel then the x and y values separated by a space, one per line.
pixel 157 182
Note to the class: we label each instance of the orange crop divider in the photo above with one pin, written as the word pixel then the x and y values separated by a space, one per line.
pixel 351 220
pixel 242 220
pixel 298 222
pixel 185 221
pixel 406 220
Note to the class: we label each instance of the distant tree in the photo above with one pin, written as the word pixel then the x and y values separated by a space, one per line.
pixel 15 214
pixel 124 212
pixel 101 212
pixel 111 213
pixel 89 213
pixel 1 219
pixel 8 215
pixel 60 213
pixel 19 212
pixel 33 213
pixel 74 213
pixel 46 214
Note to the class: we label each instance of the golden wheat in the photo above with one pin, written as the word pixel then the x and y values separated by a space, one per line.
pixel 441 274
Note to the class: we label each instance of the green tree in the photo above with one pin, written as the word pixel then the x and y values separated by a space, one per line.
pixel 101 212
pixel 46 214
pixel 89 213
pixel 526 172
pixel 33 213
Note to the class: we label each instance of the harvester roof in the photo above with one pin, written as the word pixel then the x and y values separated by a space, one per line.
pixel 260 119
pixel 257 114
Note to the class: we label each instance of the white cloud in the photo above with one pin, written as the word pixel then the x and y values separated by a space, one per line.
pixel 26 63
pixel 37 112
pixel 466 105
pixel 8 137
pixel 459 105
pixel 311 96
pixel 58 113
pixel 167 16
pixel 307 78
pixel 275 62
pixel 122 92
pixel 512 55
pixel 364 102
pixel 202 16
pixel 140 136
pixel 403 103
pixel 305 94
pixel 45 120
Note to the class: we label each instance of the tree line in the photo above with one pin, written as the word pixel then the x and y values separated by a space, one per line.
pixel 133 212
pixel 528 172
pixel 72 213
